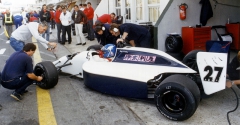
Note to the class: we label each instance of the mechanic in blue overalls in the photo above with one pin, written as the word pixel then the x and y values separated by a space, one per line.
pixel 137 35
pixel 103 34
pixel 18 20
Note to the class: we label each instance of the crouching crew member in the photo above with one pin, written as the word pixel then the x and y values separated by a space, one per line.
pixel 18 71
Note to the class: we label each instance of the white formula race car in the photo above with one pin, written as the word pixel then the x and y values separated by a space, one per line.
pixel 144 73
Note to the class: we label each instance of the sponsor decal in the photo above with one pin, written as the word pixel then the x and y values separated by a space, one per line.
pixel 139 58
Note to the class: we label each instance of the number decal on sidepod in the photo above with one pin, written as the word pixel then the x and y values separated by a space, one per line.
pixel 210 71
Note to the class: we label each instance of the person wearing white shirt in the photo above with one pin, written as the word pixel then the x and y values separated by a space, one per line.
pixel 66 18
pixel 24 15
pixel 81 7
pixel 25 32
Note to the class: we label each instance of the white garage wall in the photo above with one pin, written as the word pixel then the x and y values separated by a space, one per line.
pixel 172 23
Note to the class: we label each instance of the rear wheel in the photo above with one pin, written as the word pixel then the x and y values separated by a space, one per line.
pixel 177 97
pixel 191 59
pixel 49 73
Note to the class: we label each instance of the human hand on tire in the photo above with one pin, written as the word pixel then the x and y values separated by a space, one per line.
pixel 39 78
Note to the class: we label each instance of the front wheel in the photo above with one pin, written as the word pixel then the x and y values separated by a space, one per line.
pixel 49 73
pixel 177 97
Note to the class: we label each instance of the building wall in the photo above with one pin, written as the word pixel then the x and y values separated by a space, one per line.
pixel 172 23
pixel 101 9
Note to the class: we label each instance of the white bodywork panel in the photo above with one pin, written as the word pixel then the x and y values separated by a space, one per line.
pixel 101 66
pixel 212 68
pixel 76 64
pixel 136 72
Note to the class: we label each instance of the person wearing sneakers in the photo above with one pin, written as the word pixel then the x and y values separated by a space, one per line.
pixel 79 19
pixel 66 19
pixel 18 73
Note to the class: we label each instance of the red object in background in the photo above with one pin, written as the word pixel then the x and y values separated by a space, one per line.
pixel 182 11
pixel 195 38
pixel 32 18
pixel 234 29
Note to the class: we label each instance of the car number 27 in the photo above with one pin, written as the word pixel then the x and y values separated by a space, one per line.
pixel 210 70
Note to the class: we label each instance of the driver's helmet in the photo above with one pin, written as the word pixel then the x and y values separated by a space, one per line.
pixel 109 50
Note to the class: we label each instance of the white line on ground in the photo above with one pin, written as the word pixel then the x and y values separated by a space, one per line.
pixel 2 39
pixel 8 41
pixel 2 33
pixel 2 50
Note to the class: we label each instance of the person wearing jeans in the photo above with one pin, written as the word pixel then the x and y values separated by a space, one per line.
pixel 79 19
pixel 25 32
pixel 45 16
pixel 19 76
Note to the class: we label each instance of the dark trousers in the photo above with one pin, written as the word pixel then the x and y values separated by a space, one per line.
pixel 66 29
pixel 19 84
pixel 9 30
pixel 73 28
pixel 53 24
pixel 90 29
pixel 59 29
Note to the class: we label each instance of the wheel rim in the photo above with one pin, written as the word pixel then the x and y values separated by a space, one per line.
pixel 40 72
pixel 170 44
pixel 173 101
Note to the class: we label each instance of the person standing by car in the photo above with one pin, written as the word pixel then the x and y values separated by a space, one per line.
pixel 79 19
pixel 19 75
pixel 90 14
pixel 103 35
pixel 8 21
pixel 26 31
pixel 58 22
pixel 66 19
pixel 52 12
pixel 136 35
pixel 45 16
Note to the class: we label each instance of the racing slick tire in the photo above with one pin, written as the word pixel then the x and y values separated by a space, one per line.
pixel 177 97
pixel 178 55
pixel 94 47
pixel 174 43
pixel 191 59
pixel 49 73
